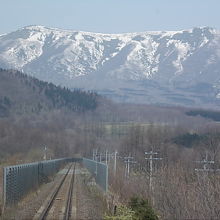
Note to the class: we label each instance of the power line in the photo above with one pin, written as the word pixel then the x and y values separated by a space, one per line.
pixel 151 159
pixel 115 162
pixel 206 164
pixel 128 160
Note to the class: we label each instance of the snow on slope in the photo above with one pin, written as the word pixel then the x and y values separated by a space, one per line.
pixel 89 59
pixel 79 53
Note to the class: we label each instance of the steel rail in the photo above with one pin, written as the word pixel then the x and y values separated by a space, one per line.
pixel 50 203
pixel 67 214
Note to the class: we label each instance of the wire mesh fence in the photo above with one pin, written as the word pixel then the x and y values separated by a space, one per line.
pixel 99 171
pixel 20 179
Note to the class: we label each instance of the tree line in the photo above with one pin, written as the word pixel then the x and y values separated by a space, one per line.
pixel 29 94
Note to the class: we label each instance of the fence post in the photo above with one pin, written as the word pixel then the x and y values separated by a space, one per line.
pixel 4 169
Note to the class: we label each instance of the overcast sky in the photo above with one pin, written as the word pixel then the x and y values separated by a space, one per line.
pixel 110 16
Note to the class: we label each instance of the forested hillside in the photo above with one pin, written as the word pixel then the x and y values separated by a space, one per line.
pixel 43 115
pixel 214 115
pixel 20 94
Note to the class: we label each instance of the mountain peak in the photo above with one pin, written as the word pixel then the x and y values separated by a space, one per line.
pixel 39 28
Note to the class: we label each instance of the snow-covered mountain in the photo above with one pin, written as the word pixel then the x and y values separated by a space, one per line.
pixel 169 67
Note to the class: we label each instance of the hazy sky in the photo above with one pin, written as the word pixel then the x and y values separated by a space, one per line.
pixel 110 16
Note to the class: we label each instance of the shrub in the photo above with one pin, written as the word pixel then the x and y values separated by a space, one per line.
pixel 142 209
pixel 122 213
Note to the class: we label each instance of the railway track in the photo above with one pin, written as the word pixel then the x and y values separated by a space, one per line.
pixel 59 205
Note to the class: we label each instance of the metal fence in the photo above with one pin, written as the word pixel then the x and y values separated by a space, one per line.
pixel 20 179
pixel 99 171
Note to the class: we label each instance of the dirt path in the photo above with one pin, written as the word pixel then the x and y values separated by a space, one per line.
pixel 90 202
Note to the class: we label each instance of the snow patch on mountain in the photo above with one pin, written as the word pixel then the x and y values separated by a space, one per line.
pixel 183 50
pixel 95 60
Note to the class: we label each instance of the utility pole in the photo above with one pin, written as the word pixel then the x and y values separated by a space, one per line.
pixel 45 153
pixel 100 157
pixel 151 159
pixel 96 161
pixel 94 154
pixel 106 157
pixel 128 161
pixel 206 164
pixel 95 158
pixel 115 162
pixel 109 157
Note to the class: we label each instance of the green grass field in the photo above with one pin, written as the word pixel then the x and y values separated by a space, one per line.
pixel 123 128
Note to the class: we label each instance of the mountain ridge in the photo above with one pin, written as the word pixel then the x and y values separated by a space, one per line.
pixel 166 65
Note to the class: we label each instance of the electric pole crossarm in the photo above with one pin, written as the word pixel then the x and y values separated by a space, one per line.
pixel 206 164
pixel 151 153
pixel 208 170
pixel 206 161
pixel 153 158
pixel 128 160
